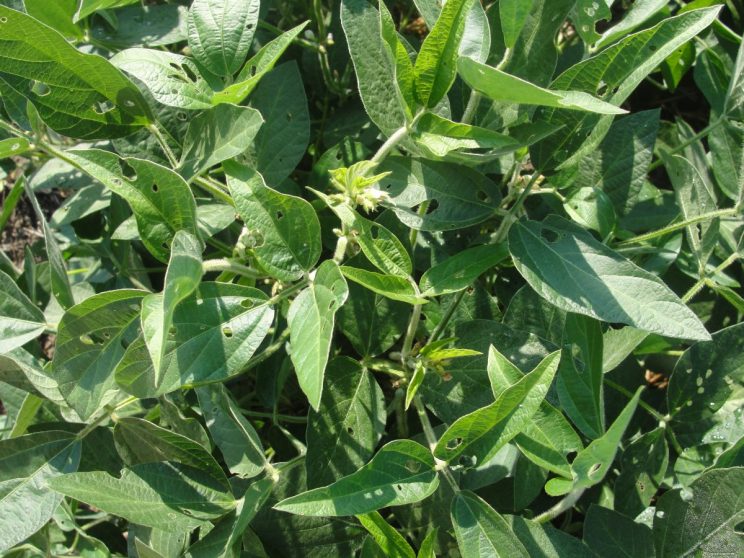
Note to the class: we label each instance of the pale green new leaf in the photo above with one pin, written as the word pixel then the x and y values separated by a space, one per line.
pixel 215 135
pixel 167 496
pixel 311 322
pixel 435 67
pixel 232 433
pixel 220 33
pixel 343 433
pixel 91 340
pixel 481 532
pixel 458 272
pixel 402 472
pixel 702 520
pixel 393 287
pixel 256 68
pixel 27 464
pixel 500 86
pixel 61 288
pixel 140 441
pixel 160 199
pixel 76 94
pixel 173 79
pixel 215 333
pixel 392 543
pixel 286 228
pixel 20 319
pixel 181 279
pixel 575 272
pixel 483 432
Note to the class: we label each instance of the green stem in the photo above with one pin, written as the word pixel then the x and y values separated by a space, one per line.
pixel 680 225
pixel 272 416
pixel 384 366
pixel 561 507
pixel 695 289
pixel 289 291
pixel 158 135
pixel 641 403
pixel 431 439
pixel 410 333
pixel 689 141
pixel 226 265
pixel 107 412
pixel 209 187
pixel 470 110
pixel 437 333
pixel 507 222
pixel 398 136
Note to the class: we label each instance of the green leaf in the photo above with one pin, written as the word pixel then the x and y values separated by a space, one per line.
pixel 612 75
pixel 91 340
pixel 483 432
pixel 706 390
pixel 542 539
pixel 375 69
pixel 393 287
pixel 167 496
pixel 435 70
pixel 232 433
pixel 256 68
pixel 311 322
pixel 592 463
pixel 61 288
pixel 388 539
pixel 638 13
pixel 215 333
pixel 573 271
pixel 283 139
pixel 146 26
pixel 402 472
pixel 140 441
pixel 181 280
pixel 351 415
pixel 458 197
pixel 579 381
pixel 701 520
pixel 27 464
pixel 217 134
pixel 500 86
pixel 57 15
pixel 399 53
pixel 20 320
pixel 220 33
pixel 13 146
pixel 426 550
pixel 643 468
pixel 286 228
pixel 586 14
pixel 160 199
pixel 481 531
pixel 461 270
pixel 174 80
pixel 591 208
pixel 76 94
pixel 609 533
pixel 513 15
pixel 88 7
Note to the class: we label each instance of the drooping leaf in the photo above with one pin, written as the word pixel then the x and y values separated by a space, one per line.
pixel 387 538
pixel 311 321
pixel 76 94
pixel 27 464
pixel 286 228
pixel 481 532
pixel 542 539
pixel 459 271
pixel 701 520
pixel 143 26
pixel 393 287
pixel 609 533
pixel 91 340
pixel 220 33
pixel 643 467
pixel 181 280
pixel 232 433
pixel 167 496
pixel 402 472
pixel 215 135
pixel 513 15
pixel 500 86
pixel 216 331
pixel 351 415
pixel 573 271
pixel 20 319
pixel 482 433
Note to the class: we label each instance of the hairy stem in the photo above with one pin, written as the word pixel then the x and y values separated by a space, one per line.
pixel 561 507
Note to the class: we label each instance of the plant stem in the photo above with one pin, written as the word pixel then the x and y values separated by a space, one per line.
pixel 218 193
pixel 439 329
pixel 158 135
pixel 431 439
pixel 561 507
pixel 641 403
pixel 680 225
pixel 695 289
pixel 289 291
pixel 506 223
pixel 410 333
pixel 472 107
pixel 226 265
pixel 701 134
pixel 272 416
pixel 398 136
pixel 108 411
pixel 384 366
